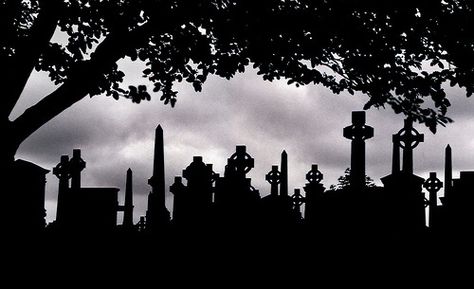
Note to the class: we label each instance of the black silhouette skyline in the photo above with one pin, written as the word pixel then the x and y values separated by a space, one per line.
pixel 205 200
pixel 223 217
pixel 113 137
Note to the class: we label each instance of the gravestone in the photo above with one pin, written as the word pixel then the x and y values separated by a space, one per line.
pixel 274 178
pixel 314 196
pixel 200 179
pixel 277 209
pixel 62 172
pixel 76 166
pixel 298 200
pixel 433 185
pixel 358 133
pixel 157 215
pixel 408 138
pixel 458 208
pixel 284 174
pixel 240 162
pixel 83 209
pixel 236 200
pixel 403 189
pixel 448 175
pixel 180 204
pixel 198 196
pixel 127 208
pixel 25 204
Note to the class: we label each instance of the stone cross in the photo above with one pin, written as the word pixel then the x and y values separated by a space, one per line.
pixel 314 176
pixel 358 132
pixel 432 185
pixel 195 171
pixel 76 165
pixel 297 200
pixel 178 189
pixel 200 178
pixel 314 195
pixel 241 162
pixel 274 178
pixel 408 138
pixel 62 172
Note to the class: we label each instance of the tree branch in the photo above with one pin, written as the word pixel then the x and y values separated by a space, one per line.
pixel 81 80
pixel 15 75
pixel 46 109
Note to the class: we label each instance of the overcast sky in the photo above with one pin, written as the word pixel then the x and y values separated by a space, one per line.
pixel 268 117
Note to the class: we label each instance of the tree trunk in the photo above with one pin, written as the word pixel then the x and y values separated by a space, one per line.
pixel 7 158
pixel 10 144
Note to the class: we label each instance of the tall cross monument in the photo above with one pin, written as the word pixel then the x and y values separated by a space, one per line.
pixel 358 132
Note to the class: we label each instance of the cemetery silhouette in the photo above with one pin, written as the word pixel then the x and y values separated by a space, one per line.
pixel 208 204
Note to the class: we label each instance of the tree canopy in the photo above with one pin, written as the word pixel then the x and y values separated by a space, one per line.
pixel 399 53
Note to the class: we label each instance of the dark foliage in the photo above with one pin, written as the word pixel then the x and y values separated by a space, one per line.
pixel 343 182
pixel 399 53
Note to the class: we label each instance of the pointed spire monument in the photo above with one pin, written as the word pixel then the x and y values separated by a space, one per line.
pixel 284 174
pixel 157 215
pixel 128 206
pixel 448 172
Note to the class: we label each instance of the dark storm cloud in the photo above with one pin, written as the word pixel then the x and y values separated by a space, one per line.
pixel 268 117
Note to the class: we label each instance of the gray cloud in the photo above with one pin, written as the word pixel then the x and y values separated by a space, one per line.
pixel 268 117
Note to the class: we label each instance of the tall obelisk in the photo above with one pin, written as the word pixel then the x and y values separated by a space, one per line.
pixel 284 174
pixel 128 206
pixel 448 172
pixel 157 215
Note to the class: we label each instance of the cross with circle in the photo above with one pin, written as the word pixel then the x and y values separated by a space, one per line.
pixel 274 178
pixel 241 162
pixel 314 176
pixel 297 200
pixel 433 184
pixel 408 138
pixel 62 170
pixel 358 133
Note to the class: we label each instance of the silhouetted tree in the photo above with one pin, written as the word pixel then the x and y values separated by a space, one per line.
pixel 381 48
pixel 344 181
